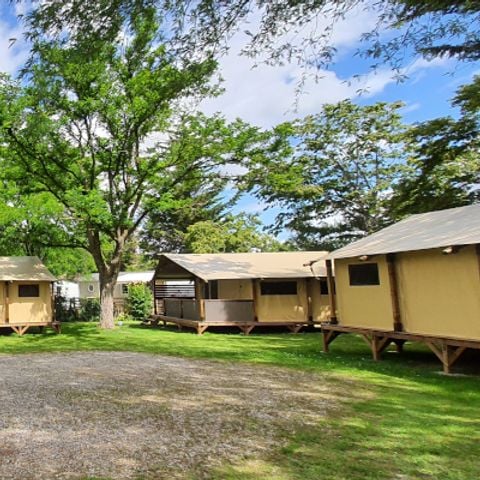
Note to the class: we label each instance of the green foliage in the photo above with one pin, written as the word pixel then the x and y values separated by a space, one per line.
pixel 335 178
pixel 139 301
pixel 75 127
pixel 89 310
pixel 201 196
pixel 240 233
pixel 444 170
pixel 65 309
pixel 429 28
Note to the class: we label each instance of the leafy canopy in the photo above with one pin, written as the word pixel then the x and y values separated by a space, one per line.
pixel 336 173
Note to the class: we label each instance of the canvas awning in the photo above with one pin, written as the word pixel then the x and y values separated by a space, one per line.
pixel 24 269
pixel 439 229
pixel 230 266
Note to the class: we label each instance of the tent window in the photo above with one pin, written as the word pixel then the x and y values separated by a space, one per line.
pixel 90 288
pixel 125 288
pixel 364 274
pixel 278 288
pixel 323 286
pixel 32 290
pixel 213 289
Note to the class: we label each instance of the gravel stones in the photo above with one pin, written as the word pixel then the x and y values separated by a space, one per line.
pixel 130 415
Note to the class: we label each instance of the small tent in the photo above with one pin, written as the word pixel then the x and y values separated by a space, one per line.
pixel 25 294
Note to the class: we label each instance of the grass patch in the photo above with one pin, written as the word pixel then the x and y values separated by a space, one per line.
pixel 400 418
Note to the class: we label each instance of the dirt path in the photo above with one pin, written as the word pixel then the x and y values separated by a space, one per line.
pixel 125 415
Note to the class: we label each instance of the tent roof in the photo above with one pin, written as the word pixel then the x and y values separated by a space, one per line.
pixel 24 269
pixel 440 229
pixel 230 266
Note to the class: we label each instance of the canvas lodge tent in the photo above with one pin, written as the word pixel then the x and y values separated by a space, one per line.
pixel 416 280
pixel 25 294
pixel 243 290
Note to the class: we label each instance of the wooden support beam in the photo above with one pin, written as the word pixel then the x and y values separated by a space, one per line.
pixel 399 343
pixel 328 337
pixel 436 349
pixel 379 345
pixel 294 328
pixel 201 329
pixel 393 280
pixel 331 293
pixel 7 302
pixel 367 338
pixel 255 299
pixel 246 329
pixel 199 287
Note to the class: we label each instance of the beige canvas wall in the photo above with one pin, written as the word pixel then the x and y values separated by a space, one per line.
pixel 30 309
pixel 363 306
pixel 283 308
pixel 235 289
pixel 440 294
pixel 3 287
pixel 320 303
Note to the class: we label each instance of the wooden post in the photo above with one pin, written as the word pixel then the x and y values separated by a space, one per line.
pixel 52 302
pixel 393 280
pixel 331 293
pixel 309 282
pixel 255 299
pixel 199 285
pixel 7 302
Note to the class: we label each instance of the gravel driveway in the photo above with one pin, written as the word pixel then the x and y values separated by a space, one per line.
pixel 129 415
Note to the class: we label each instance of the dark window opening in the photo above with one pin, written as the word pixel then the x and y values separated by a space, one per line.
pixel 364 274
pixel 214 290
pixel 278 288
pixel 29 290
pixel 323 286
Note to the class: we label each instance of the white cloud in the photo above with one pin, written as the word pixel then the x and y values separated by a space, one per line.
pixel 13 47
pixel 265 95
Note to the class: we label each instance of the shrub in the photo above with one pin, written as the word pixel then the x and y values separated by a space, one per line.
pixel 65 309
pixel 139 301
pixel 89 310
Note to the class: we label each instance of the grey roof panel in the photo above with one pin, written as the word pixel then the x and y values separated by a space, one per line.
pixel 442 228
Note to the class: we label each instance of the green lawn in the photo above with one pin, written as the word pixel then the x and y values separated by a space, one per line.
pixel 399 419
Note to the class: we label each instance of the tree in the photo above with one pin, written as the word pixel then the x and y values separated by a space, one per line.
pixel 33 225
pixel 444 170
pixel 139 302
pixel 203 196
pixel 429 28
pixel 238 233
pixel 75 127
pixel 335 181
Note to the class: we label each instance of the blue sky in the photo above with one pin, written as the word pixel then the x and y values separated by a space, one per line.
pixel 265 95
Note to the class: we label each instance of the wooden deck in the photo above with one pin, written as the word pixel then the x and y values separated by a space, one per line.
pixel 202 325
pixel 448 350
pixel 21 328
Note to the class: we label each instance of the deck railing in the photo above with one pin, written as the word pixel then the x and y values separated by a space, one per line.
pixel 210 310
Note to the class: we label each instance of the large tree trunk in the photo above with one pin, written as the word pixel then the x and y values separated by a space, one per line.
pixel 108 273
pixel 107 287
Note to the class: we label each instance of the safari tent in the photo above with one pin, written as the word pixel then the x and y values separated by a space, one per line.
pixel 244 290
pixel 25 294
pixel 417 280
